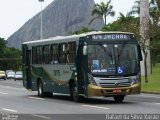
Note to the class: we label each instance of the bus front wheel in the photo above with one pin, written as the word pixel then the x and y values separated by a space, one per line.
pixel 119 98
pixel 74 92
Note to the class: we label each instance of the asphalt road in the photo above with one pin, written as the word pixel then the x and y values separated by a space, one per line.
pixel 18 103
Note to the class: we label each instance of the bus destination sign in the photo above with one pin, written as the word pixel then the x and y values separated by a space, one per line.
pixel 104 37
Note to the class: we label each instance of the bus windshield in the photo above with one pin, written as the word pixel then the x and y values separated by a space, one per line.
pixel 113 59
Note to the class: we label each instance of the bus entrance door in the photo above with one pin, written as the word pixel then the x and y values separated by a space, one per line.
pixel 27 83
pixel 81 65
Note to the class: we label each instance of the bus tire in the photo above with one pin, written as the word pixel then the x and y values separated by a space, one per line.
pixel 74 92
pixel 118 98
pixel 40 89
pixel 41 92
pixel 48 94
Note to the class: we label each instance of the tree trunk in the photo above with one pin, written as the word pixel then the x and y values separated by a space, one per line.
pixel 145 66
pixel 144 31
pixel 105 19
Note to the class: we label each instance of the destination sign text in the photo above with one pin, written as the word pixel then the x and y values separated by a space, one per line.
pixel 104 37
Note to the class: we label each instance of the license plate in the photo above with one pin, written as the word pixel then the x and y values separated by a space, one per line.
pixel 117 91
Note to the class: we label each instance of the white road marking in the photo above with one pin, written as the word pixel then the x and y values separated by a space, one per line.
pixel 157 103
pixel 23 89
pixel 40 116
pixel 149 95
pixel 3 93
pixel 98 107
pixel 10 110
pixel 36 98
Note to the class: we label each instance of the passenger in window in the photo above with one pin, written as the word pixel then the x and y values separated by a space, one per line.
pixel 54 61
pixel 68 54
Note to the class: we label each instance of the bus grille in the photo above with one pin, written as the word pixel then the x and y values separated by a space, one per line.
pixel 114 82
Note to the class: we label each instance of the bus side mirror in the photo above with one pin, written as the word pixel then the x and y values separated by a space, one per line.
pixel 85 50
pixel 139 53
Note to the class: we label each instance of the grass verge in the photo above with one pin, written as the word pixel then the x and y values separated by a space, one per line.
pixel 153 85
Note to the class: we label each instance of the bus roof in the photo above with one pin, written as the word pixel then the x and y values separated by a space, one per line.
pixel 71 37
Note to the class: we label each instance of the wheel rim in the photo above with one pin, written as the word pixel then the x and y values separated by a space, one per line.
pixel 40 89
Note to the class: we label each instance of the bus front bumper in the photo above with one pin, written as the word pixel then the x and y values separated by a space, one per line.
pixel 99 91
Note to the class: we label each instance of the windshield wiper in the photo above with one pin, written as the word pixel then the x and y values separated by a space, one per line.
pixel 120 51
pixel 118 54
pixel 110 55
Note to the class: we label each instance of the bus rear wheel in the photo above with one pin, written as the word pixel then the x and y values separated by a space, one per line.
pixel 41 92
pixel 40 89
pixel 119 98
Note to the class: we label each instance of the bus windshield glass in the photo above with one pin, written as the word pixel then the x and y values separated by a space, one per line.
pixel 113 59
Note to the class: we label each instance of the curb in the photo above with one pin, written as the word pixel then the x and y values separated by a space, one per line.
pixel 150 92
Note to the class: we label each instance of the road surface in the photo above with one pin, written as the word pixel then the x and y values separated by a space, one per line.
pixel 16 101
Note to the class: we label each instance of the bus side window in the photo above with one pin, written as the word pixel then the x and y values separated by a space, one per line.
pixel 70 52
pixel 54 54
pixel 62 53
pixel 39 55
pixel 33 55
pixel 46 54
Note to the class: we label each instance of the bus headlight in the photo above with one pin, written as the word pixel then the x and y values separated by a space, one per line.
pixel 91 79
pixel 135 79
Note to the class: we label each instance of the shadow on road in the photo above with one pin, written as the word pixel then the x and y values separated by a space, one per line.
pixel 93 100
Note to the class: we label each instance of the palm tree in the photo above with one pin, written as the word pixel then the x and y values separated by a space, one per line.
pixel 155 11
pixel 126 17
pixel 102 10
pixel 135 8
pixel 152 1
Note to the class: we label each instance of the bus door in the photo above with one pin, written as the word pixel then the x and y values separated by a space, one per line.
pixel 27 83
pixel 81 71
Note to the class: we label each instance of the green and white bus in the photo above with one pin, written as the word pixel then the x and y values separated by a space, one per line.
pixel 92 64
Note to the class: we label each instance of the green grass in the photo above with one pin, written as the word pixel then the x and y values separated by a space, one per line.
pixel 153 84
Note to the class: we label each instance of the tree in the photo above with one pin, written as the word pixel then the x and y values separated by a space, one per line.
pixel 2 46
pixel 149 18
pixel 135 8
pixel 102 10
pixel 145 39
pixel 154 11
pixel 2 43
pixel 154 31
pixel 82 30
pixel 122 25
pixel 125 18
pixel 9 57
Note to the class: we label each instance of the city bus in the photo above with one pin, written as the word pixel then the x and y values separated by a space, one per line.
pixel 86 65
